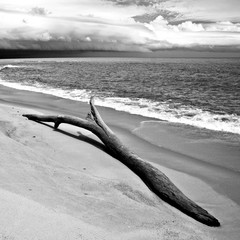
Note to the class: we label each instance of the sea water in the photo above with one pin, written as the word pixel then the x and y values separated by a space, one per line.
pixel 204 93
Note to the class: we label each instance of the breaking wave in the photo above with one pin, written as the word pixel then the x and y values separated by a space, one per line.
pixel 9 66
pixel 170 112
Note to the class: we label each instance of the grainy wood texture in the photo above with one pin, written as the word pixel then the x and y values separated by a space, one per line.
pixel 157 181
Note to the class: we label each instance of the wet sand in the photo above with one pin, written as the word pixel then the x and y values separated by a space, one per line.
pixel 63 185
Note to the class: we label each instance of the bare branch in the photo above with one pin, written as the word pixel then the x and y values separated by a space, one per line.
pixel 98 118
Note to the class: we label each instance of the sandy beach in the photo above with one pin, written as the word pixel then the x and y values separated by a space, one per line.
pixel 61 184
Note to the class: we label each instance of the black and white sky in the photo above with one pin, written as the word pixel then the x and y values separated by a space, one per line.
pixel 120 25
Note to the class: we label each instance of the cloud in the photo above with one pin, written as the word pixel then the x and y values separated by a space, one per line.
pixel 146 17
pixel 149 17
pixel 191 35
pixel 108 26
pixel 5 10
pixel 79 33
pixel 223 27
pixel 91 33
pixel 70 45
pixel 39 11
pixel 214 10
pixel 190 26
pixel 144 3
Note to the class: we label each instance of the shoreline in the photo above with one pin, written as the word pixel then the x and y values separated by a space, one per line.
pixel 199 116
pixel 201 149
pixel 185 170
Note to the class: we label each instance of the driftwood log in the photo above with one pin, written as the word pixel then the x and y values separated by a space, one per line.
pixel 157 181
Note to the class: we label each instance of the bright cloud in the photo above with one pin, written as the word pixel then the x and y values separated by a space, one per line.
pixel 192 35
pixel 190 26
pixel 136 25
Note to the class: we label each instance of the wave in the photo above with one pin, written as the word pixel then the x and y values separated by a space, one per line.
pixel 183 114
pixel 73 94
pixel 9 66
pixel 148 108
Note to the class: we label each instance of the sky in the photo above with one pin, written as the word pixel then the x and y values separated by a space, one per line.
pixel 120 25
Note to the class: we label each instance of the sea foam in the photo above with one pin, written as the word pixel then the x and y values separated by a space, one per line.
pixel 144 107
pixel 9 66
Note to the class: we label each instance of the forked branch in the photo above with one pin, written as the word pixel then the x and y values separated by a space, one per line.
pixel 157 181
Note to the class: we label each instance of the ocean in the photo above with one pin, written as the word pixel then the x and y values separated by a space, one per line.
pixel 200 92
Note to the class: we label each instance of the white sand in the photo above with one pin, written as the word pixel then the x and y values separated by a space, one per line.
pixel 55 186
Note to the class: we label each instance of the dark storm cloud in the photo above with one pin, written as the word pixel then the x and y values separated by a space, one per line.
pixel 54 45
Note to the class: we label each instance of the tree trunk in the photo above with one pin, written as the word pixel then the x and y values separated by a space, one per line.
pixel 157 181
